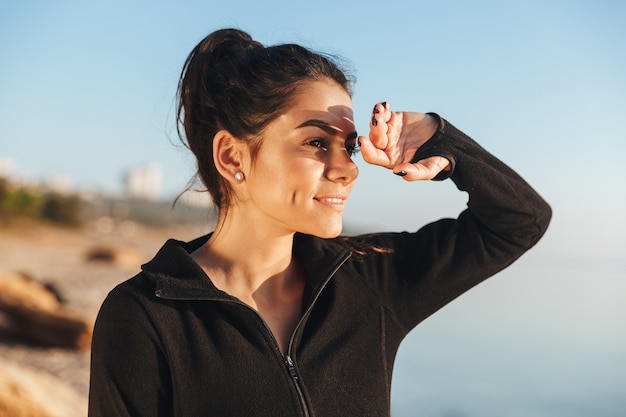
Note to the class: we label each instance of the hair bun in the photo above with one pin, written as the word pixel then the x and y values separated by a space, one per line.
pixel 225 45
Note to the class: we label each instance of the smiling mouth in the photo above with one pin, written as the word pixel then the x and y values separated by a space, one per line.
pixel 336 203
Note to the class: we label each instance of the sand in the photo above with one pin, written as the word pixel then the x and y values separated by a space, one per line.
pixel 54 378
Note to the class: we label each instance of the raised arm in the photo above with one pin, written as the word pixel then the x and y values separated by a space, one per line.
pixel 505 216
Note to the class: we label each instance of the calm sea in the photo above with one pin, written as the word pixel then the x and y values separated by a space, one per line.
pixel 534 341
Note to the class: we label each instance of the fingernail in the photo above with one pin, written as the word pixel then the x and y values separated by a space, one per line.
pixel 384 104
pixel 358 142
pixel 374 121
pixel 375 109
pixel 400 174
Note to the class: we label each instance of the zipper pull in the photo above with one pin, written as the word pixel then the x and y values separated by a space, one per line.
pixel 290 367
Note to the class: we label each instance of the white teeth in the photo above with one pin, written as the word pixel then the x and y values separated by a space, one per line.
pixel 334 200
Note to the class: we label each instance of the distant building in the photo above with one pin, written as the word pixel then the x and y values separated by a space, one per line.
pixel 59 184
pixel 144 182
pixel 7 167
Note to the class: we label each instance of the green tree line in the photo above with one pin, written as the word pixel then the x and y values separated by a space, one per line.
pixel 19 201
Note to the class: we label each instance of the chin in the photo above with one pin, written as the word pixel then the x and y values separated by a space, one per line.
pixel 329 233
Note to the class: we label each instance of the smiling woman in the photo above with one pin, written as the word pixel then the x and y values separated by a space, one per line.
pixel 275 314
pixel 302 169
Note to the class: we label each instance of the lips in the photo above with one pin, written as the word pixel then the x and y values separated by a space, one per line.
pixel 336 202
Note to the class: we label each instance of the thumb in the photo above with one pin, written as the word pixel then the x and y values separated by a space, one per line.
pixel 422 170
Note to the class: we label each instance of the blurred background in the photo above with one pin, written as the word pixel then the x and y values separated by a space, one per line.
pixel 90 165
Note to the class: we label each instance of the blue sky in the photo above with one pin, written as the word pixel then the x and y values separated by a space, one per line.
pixel 87 91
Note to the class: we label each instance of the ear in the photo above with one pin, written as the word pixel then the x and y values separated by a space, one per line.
pixel 228 155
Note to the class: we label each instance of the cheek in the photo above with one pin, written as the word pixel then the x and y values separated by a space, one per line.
pixel 289 172
pixel 271 182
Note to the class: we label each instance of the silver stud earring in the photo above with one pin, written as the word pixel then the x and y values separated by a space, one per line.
pixel 239 176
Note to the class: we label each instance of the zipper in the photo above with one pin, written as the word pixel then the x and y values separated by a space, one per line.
pixel 289 363
pixel 291 368
pixel 338 265
pixel 287 359
pixel 294 375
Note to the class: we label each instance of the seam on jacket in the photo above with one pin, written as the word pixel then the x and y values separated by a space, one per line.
pixel 151 319
pixel 385 308
pixel 383 350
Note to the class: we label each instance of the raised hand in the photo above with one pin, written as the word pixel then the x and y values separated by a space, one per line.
pixel 395 137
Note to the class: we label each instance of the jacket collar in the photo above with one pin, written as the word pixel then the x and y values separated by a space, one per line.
pixel 177 276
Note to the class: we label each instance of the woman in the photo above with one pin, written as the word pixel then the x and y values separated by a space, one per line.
pixel 273 314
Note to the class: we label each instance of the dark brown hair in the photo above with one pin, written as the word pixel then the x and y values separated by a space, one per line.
pixel 232 82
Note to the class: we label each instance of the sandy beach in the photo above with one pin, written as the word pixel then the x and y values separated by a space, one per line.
pixel 58 256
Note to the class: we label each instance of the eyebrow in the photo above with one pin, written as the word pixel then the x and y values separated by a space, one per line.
pixel 326 128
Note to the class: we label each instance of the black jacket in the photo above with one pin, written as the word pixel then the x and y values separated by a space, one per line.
pixel 169 343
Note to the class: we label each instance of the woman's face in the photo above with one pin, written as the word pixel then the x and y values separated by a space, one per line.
pixel 303 173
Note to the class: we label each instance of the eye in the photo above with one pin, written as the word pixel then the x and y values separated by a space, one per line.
pixel 352 148
pixel 318 143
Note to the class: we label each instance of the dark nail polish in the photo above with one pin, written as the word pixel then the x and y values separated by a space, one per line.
pixel 400 174
pixel 374 121
pixel 375 109
pixel 384 104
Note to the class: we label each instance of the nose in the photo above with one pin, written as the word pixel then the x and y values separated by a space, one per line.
pixel 340 167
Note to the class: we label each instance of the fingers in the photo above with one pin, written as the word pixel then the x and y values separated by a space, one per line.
pixel 388 146
pixel 383 146
pixel 425 169
pixel 378 125
pixel 385 130
pixel 373 147
pixel 380 113
pixel 371 154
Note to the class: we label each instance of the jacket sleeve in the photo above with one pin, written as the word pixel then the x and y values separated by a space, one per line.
pixel 504 218
pixel 129 372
